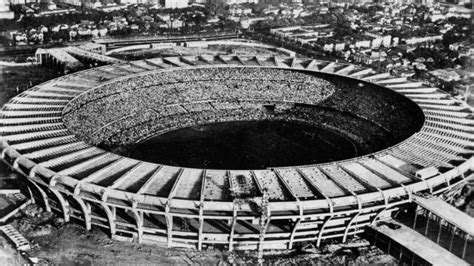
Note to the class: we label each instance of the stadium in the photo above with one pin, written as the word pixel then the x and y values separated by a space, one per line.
pixel 66 138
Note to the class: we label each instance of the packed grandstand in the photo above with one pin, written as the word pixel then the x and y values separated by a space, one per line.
pixel 414 139
pixel 129 110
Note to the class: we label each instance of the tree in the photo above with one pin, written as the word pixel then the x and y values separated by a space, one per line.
pixel 464 61
pixel 449 38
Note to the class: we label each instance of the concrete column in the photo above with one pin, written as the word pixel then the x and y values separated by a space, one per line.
pixel 139 223
pixel 85 212
pixel 348 227
pixel 321 231
pixel 110 217
pixel 63 202
pixel 44 197
pixel 232 229
pixel 169 225
pixel 201 226
pixel 292 235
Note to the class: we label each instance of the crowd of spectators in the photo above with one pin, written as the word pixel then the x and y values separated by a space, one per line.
pixel 168 93
pixel 124 112
pixel 384 108
pixel 178 86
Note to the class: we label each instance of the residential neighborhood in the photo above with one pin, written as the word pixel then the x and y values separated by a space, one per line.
pixel 405 38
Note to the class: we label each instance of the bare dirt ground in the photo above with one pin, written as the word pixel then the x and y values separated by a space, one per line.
pixel 56 242
pixel 8 255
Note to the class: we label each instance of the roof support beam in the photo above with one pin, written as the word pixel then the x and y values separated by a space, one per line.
pixel 151 63
pixel 201 209
pixel 64 204
pixel 263 230
pixel 293 62
pixel 313 65
pixel 86 212
pixel 145 185
pixel 321 231
pixel 110 213
pixel 44 197
pixel 138 66
pixel 232 229
pixel 139 223
pixel 234 211
pixel 361 72
pixel 327 67
pixel 169 225
pixel 175 185
pixel 293 231
pixel 187 61
pixel 345 70
pixel 346 231
pixel 293 195
pixel 328 200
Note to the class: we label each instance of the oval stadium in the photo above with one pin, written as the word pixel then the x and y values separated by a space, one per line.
pixel 379 140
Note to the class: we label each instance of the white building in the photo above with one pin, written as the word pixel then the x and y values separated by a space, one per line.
pixel 395 41
pixel 387 40
pixel 339 47
pixel 20 2
pixel 72 2
pixel 362 43
pixel 134 2
pixel 426 39
pixel 232 2
pixel 376 43
pixel 176 3
pixel 5 12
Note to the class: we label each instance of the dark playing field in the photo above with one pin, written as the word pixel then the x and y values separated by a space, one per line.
pixel 245 145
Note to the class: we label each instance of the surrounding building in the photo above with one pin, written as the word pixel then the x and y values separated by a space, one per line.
pixel 5 12
pixel 176 3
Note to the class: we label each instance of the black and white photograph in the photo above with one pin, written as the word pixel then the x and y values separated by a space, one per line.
pixel 236 132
